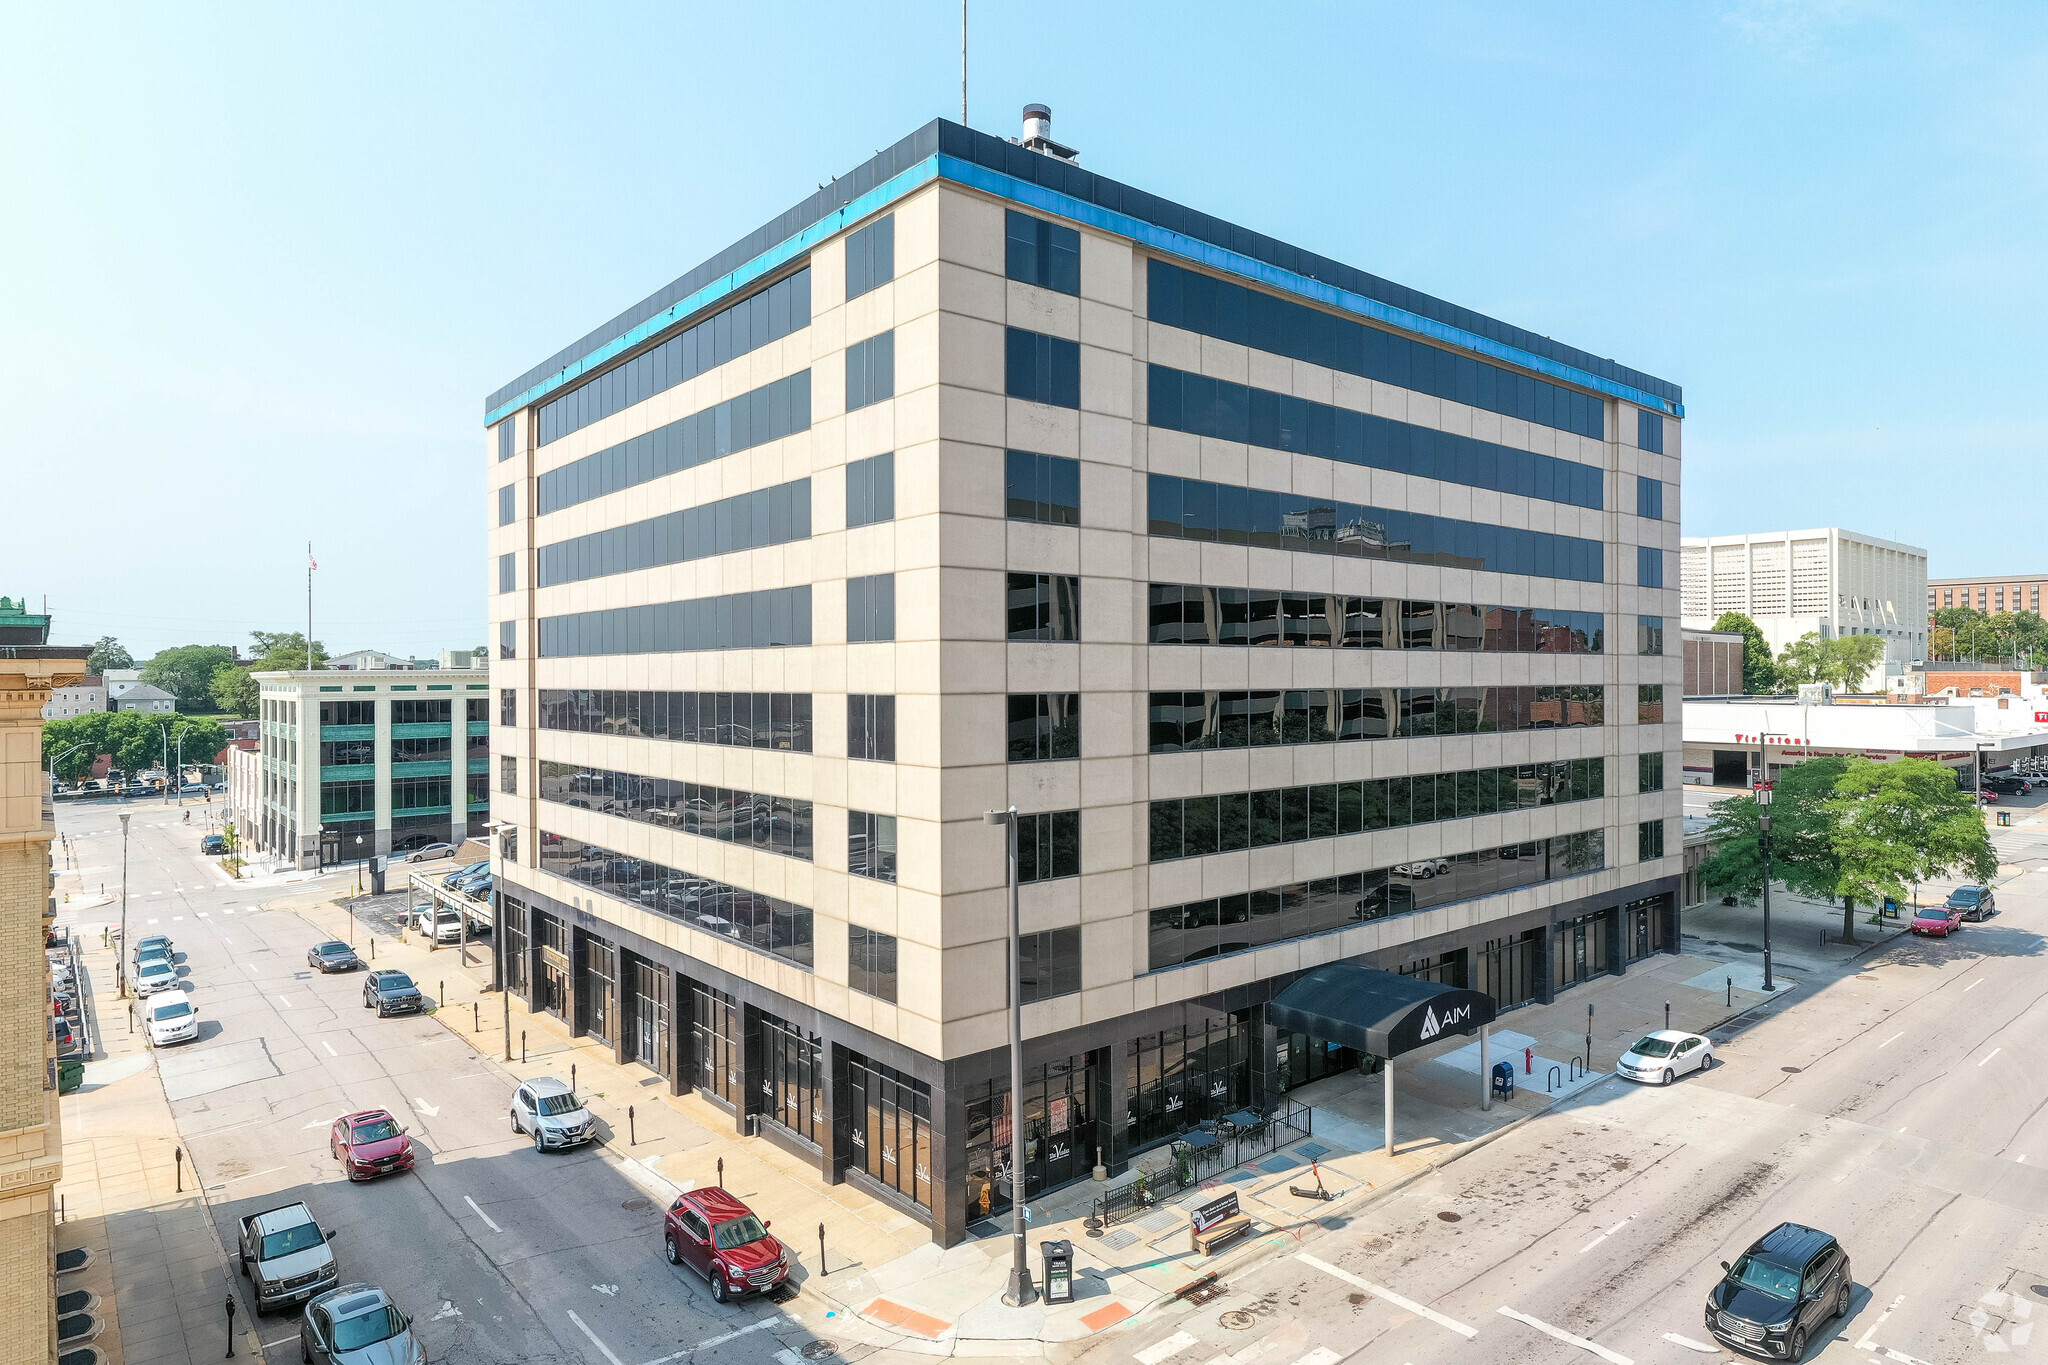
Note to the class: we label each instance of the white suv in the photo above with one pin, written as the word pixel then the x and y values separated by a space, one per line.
pixel 171 1020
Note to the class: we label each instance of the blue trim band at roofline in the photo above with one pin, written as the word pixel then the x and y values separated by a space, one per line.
pixel 1162 240
pixel 781 254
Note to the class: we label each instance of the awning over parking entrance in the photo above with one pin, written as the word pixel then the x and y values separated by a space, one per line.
pixel 1383 1013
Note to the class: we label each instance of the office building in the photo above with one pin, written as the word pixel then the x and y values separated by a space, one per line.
pixel 31 1142
pixel 1713 662
pixel 1827 582
pixel 2006 592
pixel 1301 616
pixel 360 763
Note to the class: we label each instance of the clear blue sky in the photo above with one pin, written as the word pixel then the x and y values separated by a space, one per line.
pixel 265 262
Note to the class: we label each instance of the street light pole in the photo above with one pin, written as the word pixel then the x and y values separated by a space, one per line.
pixel 121 961
pixel 59 759
pixel 1019 1292
pixel 1763 801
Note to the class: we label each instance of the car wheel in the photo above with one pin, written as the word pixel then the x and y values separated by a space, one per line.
pixel 1842 1302
pixel 1668 1077
pixel 538 1145
pixel 513 1114
pixel 717 1287
pixel 1796 1349
pixel 668 1247
pixel 244 1260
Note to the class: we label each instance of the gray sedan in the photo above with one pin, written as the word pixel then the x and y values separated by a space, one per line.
pixel 358 1324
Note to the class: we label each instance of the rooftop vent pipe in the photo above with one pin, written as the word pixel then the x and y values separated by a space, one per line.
pixel 1038 134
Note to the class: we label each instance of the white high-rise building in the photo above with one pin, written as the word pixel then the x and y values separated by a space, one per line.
pixel 1826 582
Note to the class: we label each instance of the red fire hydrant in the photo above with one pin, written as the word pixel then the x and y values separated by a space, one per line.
pixel 1528 1061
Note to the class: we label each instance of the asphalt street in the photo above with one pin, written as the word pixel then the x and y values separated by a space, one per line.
pixel 1901 1108
pixel 499 1252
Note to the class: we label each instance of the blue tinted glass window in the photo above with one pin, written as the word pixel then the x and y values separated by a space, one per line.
pixel 1231 312
pixel 1203 406
pixel 1043 488
pixel 1650 498
pixel 505 439
pixel 507 572
pixel 1042 369
pixel 1649 566
pixel 768 315
pixel 505 511
pixel 746 521
pixel 1649 635
pixel 1042 253
pixel 871 608
pixel 871 371
pixel 1650 430
pixel 770 619
pixel 871 490
pixel 871 257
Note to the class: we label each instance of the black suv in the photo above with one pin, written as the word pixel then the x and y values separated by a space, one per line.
pixel 2007 786
pixel 1790 1283
pixel 389 992
pixel 1974 901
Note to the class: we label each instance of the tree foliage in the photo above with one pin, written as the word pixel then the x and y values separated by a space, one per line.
pixel 1759 672
pixel 186 672
pixel 1803 856
pixel 234 690
pixel 1843 661
pixel 1967 633
pixel 282 651
pixel 134 740
pixel 106 654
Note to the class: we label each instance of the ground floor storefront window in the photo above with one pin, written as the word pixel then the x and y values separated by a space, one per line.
pixel 1177 1077
pixel 792 1082
pixel 890 1127
pixel 512 911
pixel 600 991
pixel 1510 969
pixel 1059 1133
pixel 715 1038
pixel 1643 927
pixel 1581 952
pixel 648 988
pixel 553 993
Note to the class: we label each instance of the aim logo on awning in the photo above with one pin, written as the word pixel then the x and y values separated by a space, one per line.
pixel 1432 1026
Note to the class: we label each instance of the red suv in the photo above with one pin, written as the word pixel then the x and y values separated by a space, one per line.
pixel 370 1144
pixel 720 1238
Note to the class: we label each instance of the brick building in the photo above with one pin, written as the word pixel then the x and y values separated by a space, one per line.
pixel 2008 592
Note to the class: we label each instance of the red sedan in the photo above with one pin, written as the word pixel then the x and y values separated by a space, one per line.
pixel 370 1144
pixel 1937 920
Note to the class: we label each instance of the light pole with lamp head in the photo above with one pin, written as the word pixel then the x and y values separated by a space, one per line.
pixel 1763 821
pixel 59 758
pixel 1018 1292
pixel 121 961
pixel 361 858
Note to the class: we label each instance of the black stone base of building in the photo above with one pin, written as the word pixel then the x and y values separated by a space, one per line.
pixel 932 1138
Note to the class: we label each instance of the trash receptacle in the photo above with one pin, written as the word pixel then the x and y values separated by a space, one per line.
pixel 70 1074
pixel 1056 1270
pixel 2005 817
pixel 1504 1080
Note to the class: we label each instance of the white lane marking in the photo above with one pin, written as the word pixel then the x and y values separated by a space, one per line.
pixel 316 1123
pixel 1160 1350
pixel 1902 1130
pixel 227 912
pixel 284 1002
pixel 1381 1292
pixel 1864 1344
pixel 432 1111
pixel 1321 1355
pixel 250 965
pixel 1611 1357
pixel 721 1340
pixel 2021 1157
pixel 1692 1345
pixel 251 1176
pixel 204 915
pixel 1905 1359
pixel 1989 1055
pixel 595 1339
pixel 1605 1235
pixel 330 1048
pixel 152 921
pixel 177 919
pixel 481 1214
pixel 281 1341
pixel 1973 985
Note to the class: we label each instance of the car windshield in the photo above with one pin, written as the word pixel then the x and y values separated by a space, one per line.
pixel 395 981
pixel 335 950
pixel 1934 912
pixel 367 1329
pixel 1652 1046
pixel 1774 1280
pixel 304 1237
pixel 156 966
pixel 739 1232
pixel 377 1130
pixel 1968 895
pixel 148 955
pixel 564 1103
pixel 177 1009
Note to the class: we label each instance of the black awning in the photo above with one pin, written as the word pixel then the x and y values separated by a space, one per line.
pixel 1383 1013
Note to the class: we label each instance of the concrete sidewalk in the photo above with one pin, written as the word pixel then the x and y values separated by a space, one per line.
pixel 887 1288
pixel 157 1266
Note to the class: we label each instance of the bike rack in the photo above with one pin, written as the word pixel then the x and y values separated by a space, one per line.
pixel 1573 1070
pixel 1550 1082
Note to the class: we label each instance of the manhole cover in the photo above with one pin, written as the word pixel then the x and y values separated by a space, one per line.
pixel 1789 1070
pixel 818 1350
pixel 635 1205
pixel 1236 1319
pixel 1449 1217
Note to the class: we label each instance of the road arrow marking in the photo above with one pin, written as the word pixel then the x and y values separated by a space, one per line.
pixel 449 1310
pixel 432 1111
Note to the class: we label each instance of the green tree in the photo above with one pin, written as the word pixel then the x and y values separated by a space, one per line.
pixel 234 690
pixel 108 654
pixel 283 651
pixel 133 739
pixel 1843 661
pixel 1902 823
pixel 186 672
pixel 88 731
pixel 1802 836
pixel 1759 673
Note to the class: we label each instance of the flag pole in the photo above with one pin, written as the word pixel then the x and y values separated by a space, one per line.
pixel 309 606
